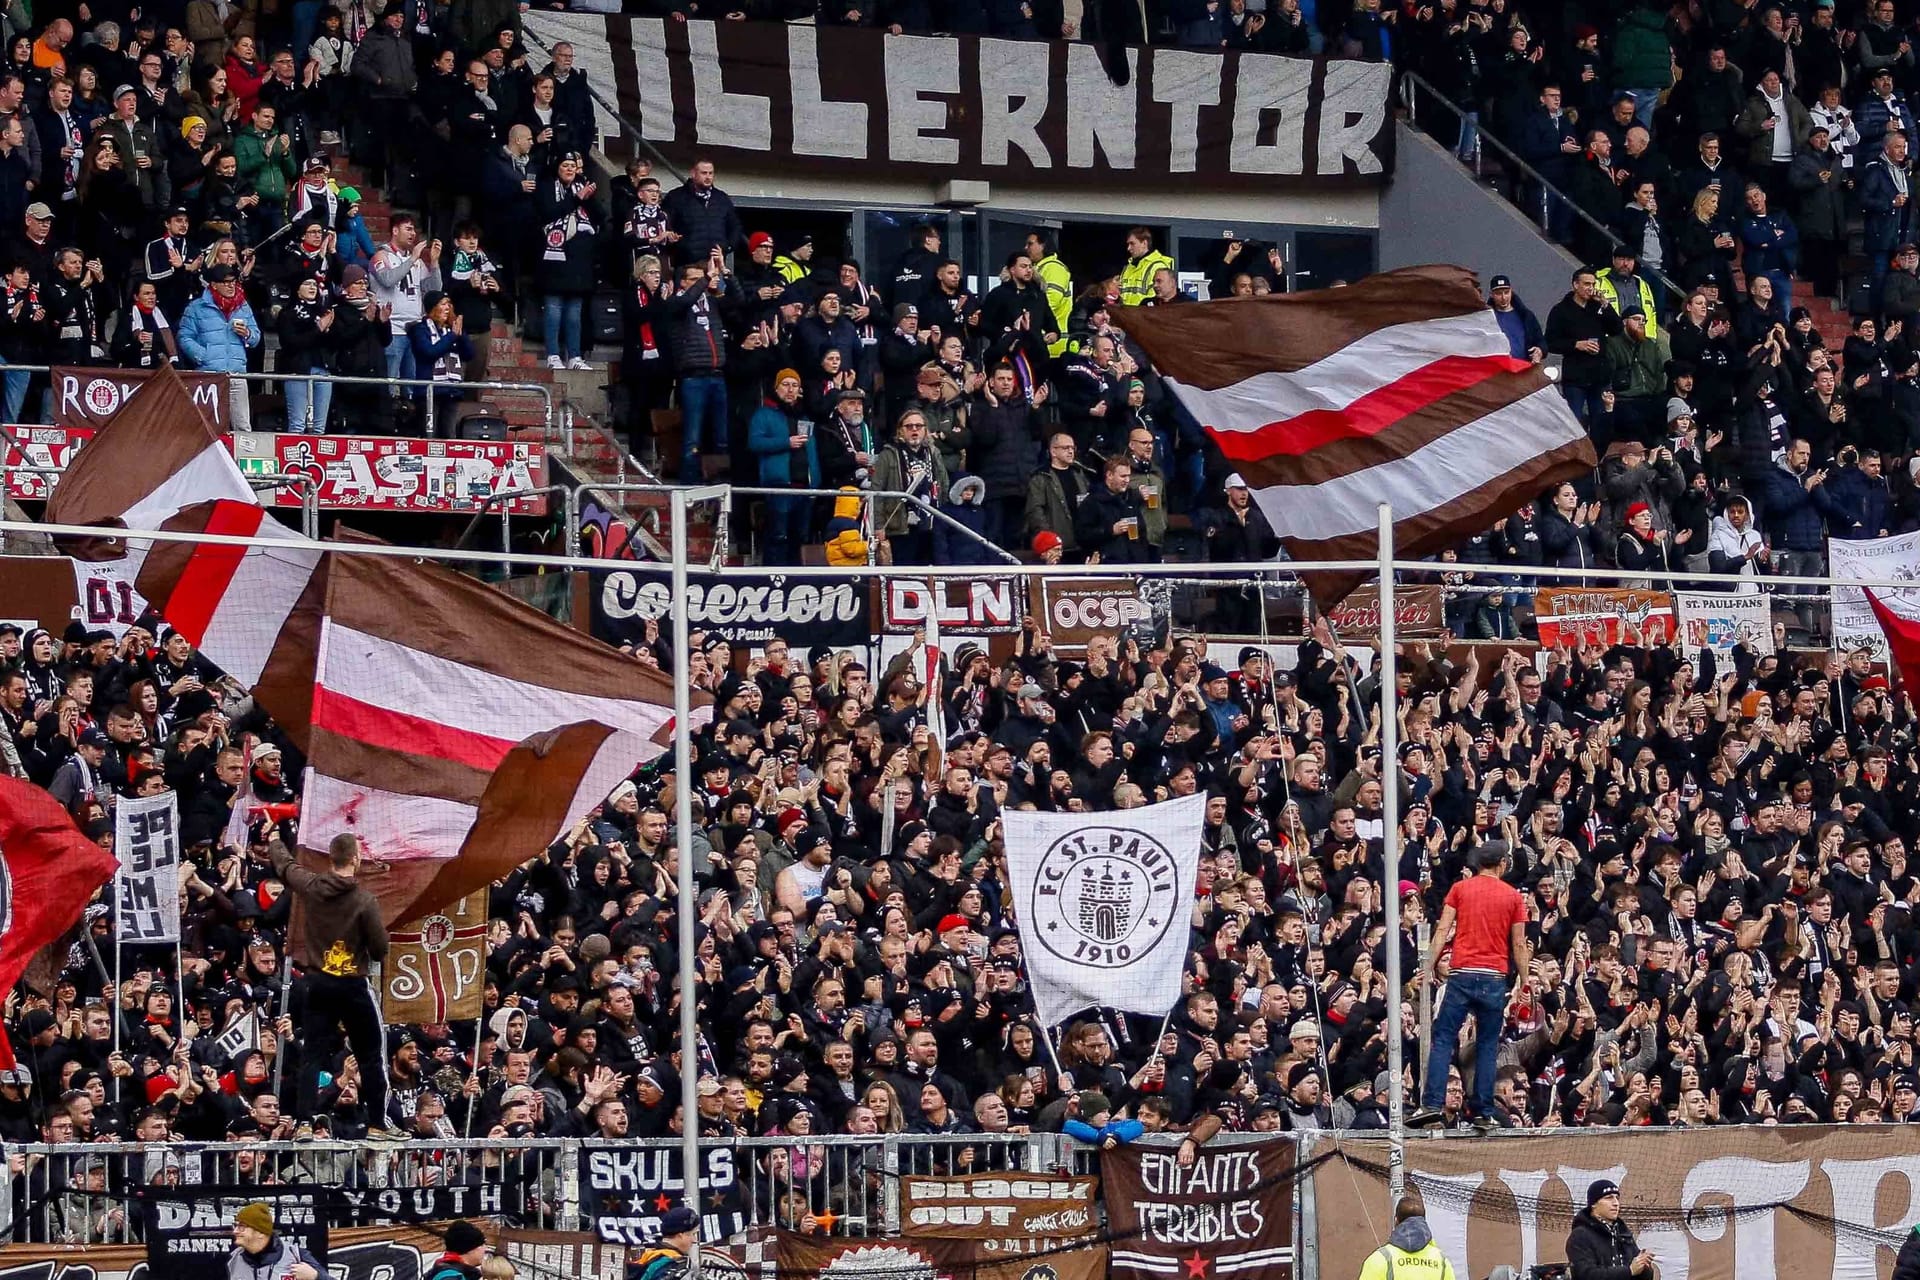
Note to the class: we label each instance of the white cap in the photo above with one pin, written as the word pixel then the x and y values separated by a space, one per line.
pixel 1235 482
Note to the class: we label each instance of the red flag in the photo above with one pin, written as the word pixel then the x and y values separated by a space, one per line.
pixel 48 874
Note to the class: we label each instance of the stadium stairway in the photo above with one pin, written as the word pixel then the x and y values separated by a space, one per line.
pixel 593 456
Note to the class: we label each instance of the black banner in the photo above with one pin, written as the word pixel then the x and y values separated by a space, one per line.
pixel 625 1192
pixel 380 1206
pixel 1023 111
pixel 745 610
pixel 190 1229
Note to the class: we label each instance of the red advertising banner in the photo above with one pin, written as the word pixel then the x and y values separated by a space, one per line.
pixel 39 450
pixel 352 473
pixel 389 473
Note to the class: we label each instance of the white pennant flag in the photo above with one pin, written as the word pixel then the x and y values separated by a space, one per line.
pixel 1105 904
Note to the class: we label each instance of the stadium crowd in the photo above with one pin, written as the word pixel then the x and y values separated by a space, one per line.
pixel 1713 855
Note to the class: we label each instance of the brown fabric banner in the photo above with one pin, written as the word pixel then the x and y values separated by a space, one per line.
pixel 1814 1202
pixel 1419 613
pixel 852 101
pixel 1227 1216
pixel 436 971
pixel 1075 610
pixel 995 1206
pixel 907 1257
pixel 87 397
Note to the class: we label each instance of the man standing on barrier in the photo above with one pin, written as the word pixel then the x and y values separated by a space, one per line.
pixel 1410 1252
pixel 1600 1247
pixel 1486 921
pixel 345 938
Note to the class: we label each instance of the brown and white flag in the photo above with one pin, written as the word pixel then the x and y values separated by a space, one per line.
pixel 158 453
pixel 429 687
pixel 1401 389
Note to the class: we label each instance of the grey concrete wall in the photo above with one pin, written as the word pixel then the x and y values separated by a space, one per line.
pixel 1434 211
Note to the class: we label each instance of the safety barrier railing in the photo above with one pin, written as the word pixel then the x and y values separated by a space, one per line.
pixel 86 1193
pixel 309 488
pixel 1416 91
pixel 310 380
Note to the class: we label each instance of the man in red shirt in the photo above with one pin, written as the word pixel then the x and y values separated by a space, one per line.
pixel 1486 921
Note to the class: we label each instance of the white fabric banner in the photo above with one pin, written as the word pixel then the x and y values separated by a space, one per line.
pixel 1721 622
pixel 1895 559
pixel 1105 904
pixel 146 839
pixel 242 1033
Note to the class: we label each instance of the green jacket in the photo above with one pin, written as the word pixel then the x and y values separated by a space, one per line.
pixel 271 175
pixel 893 516
pixel 1050 507
pixel 1639 368
pixel 1153 513
pixel 1642 54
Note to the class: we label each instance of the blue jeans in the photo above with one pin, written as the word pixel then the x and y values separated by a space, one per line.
pixel 1644 102
pixel 400 363
pixel 563 325
pixel 297 398
pixel 1484 996
pixel 703 421
pixel 16 393
pixel 787 521
pixel 1469 136
pixel 306 20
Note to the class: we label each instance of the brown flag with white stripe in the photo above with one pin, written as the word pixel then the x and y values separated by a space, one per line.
pixel 458 732
pixel 1401 388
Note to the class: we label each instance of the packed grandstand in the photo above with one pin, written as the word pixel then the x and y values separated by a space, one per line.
pixel 1699 789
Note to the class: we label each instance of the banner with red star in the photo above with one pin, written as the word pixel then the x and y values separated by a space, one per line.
pixel 1227 1215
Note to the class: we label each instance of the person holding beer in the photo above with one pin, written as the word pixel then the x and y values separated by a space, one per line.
pixel 1109 523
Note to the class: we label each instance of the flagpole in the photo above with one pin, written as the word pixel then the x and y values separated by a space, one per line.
pixel 1390 870
pixel 683 838
pixel 286 989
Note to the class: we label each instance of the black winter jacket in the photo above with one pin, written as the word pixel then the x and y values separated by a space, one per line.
pixel 1599 1250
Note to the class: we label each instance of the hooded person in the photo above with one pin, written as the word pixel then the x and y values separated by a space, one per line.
pixel 1735 545
pixel 259 1253
pixel 679 1229
pixel 1410 1249
pixel 846 531
pixel 965 505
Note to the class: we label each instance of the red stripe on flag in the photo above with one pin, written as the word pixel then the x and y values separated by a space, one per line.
pixel 398 731
pixel 1367 416
pixel 210 569
pixel 1903 640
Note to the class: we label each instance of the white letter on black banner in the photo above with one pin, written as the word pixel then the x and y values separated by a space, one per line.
pixel 820 127
pixel 917 65
pixel 1187 82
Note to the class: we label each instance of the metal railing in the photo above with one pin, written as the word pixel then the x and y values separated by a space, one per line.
pixel 309 497
pixel 1000 554
pixel 1415 90
pixel 541 1183
pixel 312 379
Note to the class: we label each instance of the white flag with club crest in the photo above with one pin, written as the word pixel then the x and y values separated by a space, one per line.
pixel 1105 904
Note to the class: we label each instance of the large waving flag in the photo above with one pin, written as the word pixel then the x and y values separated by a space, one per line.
pixel 1397 389
pixel 159 453
pixel 455 729
pixel 48 874
pixel 427 683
